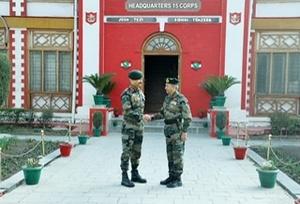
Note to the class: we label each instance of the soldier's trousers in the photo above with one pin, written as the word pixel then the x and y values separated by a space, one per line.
pixel 175 151
pixel 131 146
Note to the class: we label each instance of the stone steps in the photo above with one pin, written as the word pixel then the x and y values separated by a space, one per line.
pixel 197 125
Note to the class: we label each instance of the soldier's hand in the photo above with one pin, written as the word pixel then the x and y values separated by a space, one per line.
pixel 184 136
pixel 147 117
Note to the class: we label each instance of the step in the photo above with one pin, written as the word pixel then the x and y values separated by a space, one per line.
pixel 196 126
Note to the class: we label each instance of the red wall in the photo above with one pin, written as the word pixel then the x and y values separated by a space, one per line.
pixel 202 42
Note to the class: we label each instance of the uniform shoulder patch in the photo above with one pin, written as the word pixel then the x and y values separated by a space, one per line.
pixel 182 99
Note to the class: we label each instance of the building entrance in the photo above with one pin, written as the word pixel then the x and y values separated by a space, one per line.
pixel 156 69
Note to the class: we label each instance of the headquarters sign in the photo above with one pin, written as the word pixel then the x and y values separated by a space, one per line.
pixel 163 5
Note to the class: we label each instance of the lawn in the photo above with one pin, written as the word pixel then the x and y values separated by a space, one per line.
pixel 289 157
pixel 13 146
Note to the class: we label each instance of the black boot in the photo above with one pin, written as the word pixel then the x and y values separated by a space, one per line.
pixel 125 180
pixel 136 177
pixel 167 180
pixel 176 182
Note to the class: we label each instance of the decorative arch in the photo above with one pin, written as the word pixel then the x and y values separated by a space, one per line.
pixel 162 43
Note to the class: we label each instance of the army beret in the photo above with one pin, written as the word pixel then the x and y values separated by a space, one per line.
pixel 173 81
pixel 135 74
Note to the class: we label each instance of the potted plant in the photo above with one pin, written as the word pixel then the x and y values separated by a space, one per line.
pixel 32 171
pixel 216 87
pixel 97 123
pixel 240 148
pixel 82 138
pixel 221 121
pixel 202 113
pixel 4 79
pixel 268 171
pixel 66 147
pixel 267 174
pixel 102 84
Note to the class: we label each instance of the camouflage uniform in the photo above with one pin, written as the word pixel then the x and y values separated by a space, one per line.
pixel 133 101
pixel 177 115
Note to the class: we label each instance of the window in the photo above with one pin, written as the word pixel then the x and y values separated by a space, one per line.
pixel 3 49
pixel 50 65
pixel 278 72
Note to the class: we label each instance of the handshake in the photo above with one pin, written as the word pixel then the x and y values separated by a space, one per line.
pixel 147 117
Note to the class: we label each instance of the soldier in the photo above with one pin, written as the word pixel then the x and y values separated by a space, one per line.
pixel 133 102
pixel 177 117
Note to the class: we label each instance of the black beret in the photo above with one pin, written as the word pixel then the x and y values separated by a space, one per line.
pixel 135 74
pixel 173 81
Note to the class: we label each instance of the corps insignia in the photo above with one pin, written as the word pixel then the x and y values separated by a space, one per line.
pixel 235 18
pixel 91 17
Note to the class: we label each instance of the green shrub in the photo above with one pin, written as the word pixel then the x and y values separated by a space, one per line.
pixel 46 117
pixel 221 120
pixel 4 79
pixel 97 120
pixel 284 123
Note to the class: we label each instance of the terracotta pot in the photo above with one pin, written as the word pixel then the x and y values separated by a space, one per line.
pixel 240 152
pixel 65 149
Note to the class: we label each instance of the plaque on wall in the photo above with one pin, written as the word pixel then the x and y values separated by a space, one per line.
pixel 163 5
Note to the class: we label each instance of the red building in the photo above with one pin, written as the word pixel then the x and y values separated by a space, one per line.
pixel 185 39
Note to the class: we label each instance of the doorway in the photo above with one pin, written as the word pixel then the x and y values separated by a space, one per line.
pixel 156 69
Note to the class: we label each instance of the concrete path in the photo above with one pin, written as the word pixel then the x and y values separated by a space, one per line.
pixel 91 175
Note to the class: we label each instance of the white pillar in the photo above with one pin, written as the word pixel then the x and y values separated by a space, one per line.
pixel 234 55
pixel 90 57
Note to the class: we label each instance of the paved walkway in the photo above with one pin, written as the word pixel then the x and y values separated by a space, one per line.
pixel 91 175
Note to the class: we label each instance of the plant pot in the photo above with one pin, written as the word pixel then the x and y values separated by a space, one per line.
pixel 82 139
pixel 65 149
pixel 32 174
pixel 240 152
pixel 99 99
pixel 220 101
pixel 267 178
pixel 97 132
pixel 226 140
pixel 107 101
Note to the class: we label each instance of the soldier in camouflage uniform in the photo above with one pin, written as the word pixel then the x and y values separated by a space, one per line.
pixel 177 117
pixel 133 102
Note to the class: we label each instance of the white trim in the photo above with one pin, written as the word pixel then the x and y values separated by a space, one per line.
pixel 18 52
pixel 75 43
pixel 161 18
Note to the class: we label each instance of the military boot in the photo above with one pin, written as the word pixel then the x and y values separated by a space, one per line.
pixel 176 182
pixel 125 180
pixel 136 177
pixel 167 180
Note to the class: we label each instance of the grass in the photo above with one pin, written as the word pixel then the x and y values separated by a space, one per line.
pixel 13 146
pixel 291 162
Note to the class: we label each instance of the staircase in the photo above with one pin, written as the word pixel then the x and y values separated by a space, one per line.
pixel 197 125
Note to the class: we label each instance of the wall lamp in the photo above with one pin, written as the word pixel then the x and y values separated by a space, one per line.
pixel 196 65
pixel 126 64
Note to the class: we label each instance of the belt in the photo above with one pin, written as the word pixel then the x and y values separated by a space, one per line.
pixel 170 121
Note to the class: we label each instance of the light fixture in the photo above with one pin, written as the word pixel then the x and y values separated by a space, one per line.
pixel 196 65
pixel 126 64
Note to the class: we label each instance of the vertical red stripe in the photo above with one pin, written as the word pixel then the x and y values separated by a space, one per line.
pixel 11 5
pixel 252 76
pixel 24 5
pixel 26 71
pixel 245 53
pixel 11 57
pixel 223 38
pixel 80 50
